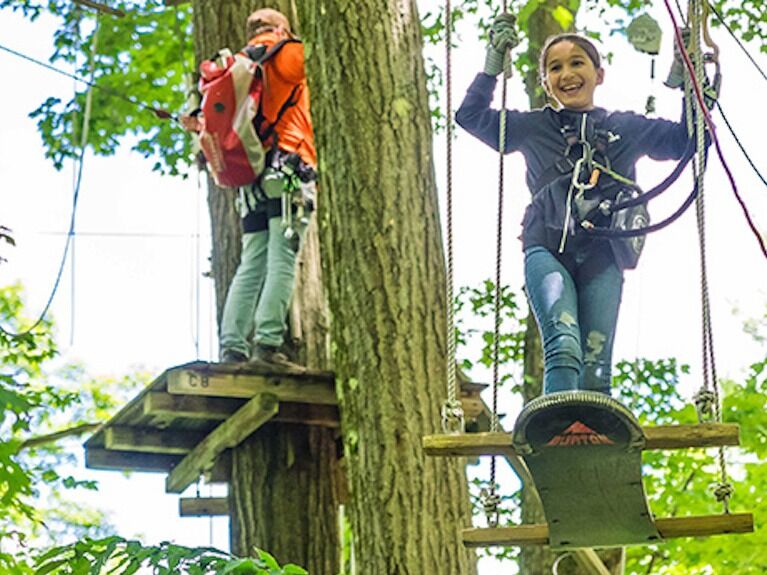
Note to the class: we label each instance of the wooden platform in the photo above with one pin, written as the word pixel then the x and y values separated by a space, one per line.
pixel 184 422
pixel 169 427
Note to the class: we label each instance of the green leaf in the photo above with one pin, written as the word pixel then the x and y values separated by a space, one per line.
pixel 563 16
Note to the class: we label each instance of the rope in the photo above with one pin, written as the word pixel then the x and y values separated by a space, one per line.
pixel 707 400
pixel 452 410
pixel 712 131
pixel 491 499
pixel 69 243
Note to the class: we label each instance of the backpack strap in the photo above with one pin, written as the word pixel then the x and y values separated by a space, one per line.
pixel 261 57
pixel 290 102
pixel 259 54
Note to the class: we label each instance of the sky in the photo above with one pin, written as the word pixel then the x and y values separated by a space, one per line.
pixel 134 298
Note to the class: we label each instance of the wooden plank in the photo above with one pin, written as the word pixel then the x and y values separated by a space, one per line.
pixel 468 444
pixel 661 437
pixel 696 435
pixel 293 387
pixel 126 461
pixel 151 440
pixel 167 407
pixel 518 536
pixel 589 561
pixel 308 414
pixel 705 525
pixel 99 458
pixel 669 528
pixel 203 506
pixel 229 434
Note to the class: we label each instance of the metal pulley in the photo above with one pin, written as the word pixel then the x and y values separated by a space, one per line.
pixel 644 34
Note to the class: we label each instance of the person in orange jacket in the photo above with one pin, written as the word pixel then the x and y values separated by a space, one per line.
pixel 275 207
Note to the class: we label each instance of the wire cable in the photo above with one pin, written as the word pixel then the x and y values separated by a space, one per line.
pixel 162 114
pixel 740 144
pixel 737 40
pixel 712 129
pixel 68 244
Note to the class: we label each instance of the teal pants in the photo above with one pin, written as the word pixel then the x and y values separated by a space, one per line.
pixel 259 296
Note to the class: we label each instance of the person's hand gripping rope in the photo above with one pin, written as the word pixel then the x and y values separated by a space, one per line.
pixel 503 38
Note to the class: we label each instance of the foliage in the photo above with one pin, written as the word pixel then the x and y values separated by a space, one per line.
pixel 38 399
pixel 118 556
pixel 476 306
pixel 36 505
pixel 141 62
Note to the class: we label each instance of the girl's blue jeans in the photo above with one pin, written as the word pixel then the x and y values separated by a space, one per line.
pixel 576 306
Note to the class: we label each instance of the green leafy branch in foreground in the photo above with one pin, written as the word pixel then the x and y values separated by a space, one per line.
pixel 118 556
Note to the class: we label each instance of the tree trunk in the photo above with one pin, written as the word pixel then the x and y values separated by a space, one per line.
pixel 284 493
pixel 286 480
pixel 537 560
pixel 384 271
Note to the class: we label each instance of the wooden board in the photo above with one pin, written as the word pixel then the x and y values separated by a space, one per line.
pixel 660 437
pixel 668 528
pixel 306 387
pixel 203 506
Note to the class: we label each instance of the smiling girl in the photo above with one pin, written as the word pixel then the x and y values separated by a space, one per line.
pixel 573 280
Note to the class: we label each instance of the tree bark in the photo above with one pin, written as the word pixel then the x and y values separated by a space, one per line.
pixel 286 480
pixel 384 271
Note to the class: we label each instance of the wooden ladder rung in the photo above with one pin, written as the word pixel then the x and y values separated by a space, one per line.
pixel 659 437
pixel 668 527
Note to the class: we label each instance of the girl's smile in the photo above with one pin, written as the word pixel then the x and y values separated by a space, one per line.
pixel 571 77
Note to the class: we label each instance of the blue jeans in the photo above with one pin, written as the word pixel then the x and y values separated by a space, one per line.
pixel 258 298
pixel 576 306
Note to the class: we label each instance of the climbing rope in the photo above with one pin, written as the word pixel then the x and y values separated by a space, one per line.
pixel 452 410
pixel 707 399
pixel 490 498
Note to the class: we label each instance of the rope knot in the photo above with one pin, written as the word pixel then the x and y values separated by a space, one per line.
pixel 704 404
pixel 490 501
pixel 453 417
pixel 723 492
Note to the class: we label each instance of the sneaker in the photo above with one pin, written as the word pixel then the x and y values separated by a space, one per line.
pixel 233 356
pixel 269 354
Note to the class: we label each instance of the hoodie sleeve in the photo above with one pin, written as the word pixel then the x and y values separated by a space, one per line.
pixel 476 117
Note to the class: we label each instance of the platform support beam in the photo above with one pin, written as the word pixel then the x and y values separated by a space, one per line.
pixel 229 434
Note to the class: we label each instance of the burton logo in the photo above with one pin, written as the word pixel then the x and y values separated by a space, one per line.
pixel 579 434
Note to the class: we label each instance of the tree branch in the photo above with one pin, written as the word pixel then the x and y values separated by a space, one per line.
pixel 53 437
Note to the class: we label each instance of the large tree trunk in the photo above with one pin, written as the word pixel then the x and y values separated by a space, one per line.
pixel 538 560
pixel 286 481
pixel 384 270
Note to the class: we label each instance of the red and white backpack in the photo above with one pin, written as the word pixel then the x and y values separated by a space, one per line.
pixel 231 138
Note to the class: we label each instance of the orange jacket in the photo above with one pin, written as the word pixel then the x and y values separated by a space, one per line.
pixel 282 73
